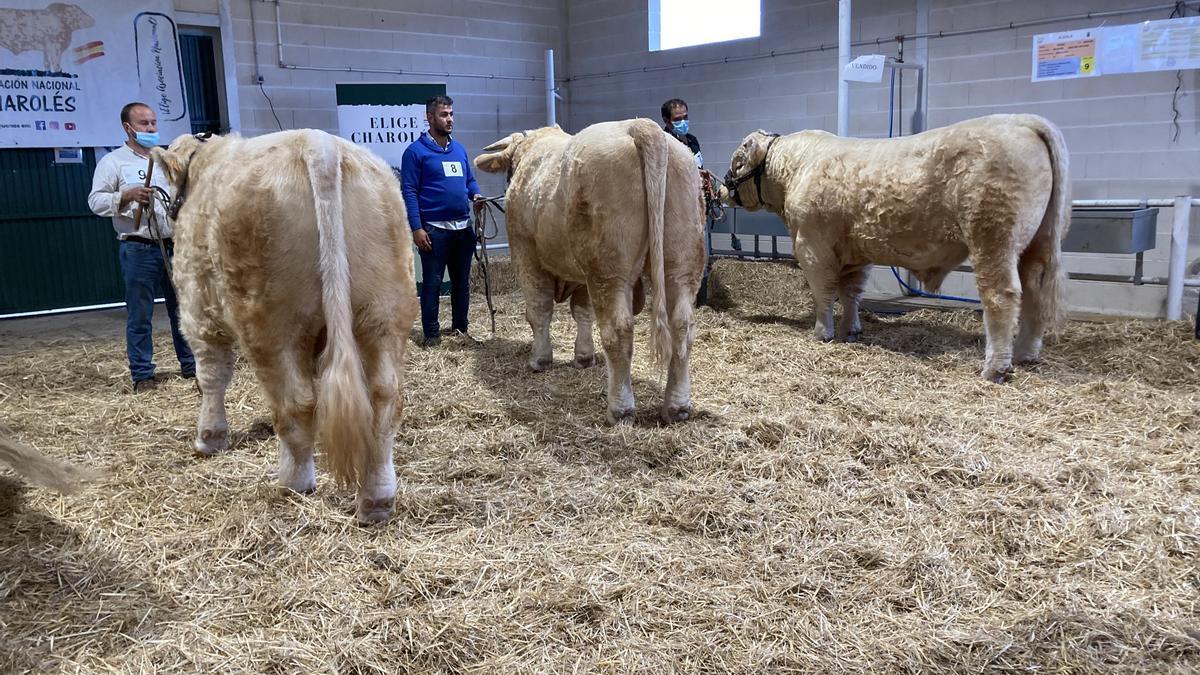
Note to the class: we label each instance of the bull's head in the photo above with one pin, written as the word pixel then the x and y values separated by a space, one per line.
pixel 175 162
pixel 72 16
pixel 743 181
pixel 498 156
pixel 505 154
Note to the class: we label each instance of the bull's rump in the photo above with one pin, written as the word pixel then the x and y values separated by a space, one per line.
pixel 259 200
pixel 606 203
pixel 923 200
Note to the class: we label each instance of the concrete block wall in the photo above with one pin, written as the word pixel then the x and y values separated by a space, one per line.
pixel 464 38
pixel 1118 128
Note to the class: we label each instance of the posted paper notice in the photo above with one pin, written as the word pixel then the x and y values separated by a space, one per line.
pixel 1065 55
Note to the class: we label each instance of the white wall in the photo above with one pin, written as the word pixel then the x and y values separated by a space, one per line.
pixel 1118 128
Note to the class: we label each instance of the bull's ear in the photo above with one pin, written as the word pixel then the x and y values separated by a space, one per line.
pixel 493 162
pixel 498 156
pixel 170 162
pixel 175 159
pixel 756 147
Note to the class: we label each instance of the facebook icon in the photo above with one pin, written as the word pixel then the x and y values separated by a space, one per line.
pixel 40 125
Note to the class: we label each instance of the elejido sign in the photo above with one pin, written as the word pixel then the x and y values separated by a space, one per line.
pixel 66 69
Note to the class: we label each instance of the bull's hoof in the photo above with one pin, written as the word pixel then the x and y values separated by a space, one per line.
pixel 211 442
pixel 540 365
pixel 303 486
pixel 621 417
pixel 1027 359
pixel 854 336
pixel 374 510
pixel 998 375
pixel 582 362
pixel 675 413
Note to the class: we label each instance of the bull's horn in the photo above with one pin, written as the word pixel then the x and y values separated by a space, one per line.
pixel 497 146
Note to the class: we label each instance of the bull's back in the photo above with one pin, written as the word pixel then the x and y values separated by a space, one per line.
pixel 909 199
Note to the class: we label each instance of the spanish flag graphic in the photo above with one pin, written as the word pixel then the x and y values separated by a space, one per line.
pixel 89 51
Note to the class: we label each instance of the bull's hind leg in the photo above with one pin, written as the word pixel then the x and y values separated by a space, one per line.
pixel 677 399
pixel 214 370
pixel 287 379
pixel 1000 293
pixel 1033 265
pixel 581 310
pixel 613 308
pixel 377 493
pixel 850 290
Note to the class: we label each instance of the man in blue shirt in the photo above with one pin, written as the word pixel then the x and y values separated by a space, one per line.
pixel 438 187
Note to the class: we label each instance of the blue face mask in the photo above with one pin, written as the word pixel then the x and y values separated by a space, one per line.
pixel 146 139
pixel 680 127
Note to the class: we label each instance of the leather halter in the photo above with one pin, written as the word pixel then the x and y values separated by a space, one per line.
pixel 177 203
pixel 732 184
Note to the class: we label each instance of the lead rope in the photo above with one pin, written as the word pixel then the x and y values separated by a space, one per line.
pixel 158 195
pixel 485 210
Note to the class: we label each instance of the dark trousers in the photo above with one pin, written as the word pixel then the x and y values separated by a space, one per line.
pixel 452 249
pixel 145 275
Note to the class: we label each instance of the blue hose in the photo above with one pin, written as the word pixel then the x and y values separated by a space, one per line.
pixel 923 294
pixel 892 103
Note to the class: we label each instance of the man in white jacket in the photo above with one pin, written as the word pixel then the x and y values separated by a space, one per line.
pixel 118 192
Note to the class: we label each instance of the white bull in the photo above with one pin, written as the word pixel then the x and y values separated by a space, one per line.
pixel 295 246
pixel 587 216
pixel 995 190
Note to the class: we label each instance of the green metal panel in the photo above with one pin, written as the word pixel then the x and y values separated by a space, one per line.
pixel 53 252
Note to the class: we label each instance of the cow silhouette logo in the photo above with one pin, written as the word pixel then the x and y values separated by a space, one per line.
pixel 48 31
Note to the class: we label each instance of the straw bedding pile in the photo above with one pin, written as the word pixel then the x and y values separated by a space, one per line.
pixel 830 508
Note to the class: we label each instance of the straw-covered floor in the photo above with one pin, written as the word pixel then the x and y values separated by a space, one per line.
pixel 830 508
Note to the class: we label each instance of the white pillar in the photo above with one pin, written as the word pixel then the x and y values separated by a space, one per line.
pixel 1179 243
pixel 843 124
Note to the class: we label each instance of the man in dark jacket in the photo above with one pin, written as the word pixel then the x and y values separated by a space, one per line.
pixel 438 188
pixel 675 122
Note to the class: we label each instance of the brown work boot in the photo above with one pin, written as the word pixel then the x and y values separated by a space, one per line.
pixel 143 386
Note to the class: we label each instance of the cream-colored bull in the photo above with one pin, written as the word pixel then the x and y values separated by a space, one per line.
pixel 995 190
pixel 587 216
pixel 294 245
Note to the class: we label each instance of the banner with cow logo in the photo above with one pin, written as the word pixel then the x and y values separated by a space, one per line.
pixel 384 118
pixel 67 68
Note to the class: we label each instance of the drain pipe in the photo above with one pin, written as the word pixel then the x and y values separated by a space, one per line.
pixel 843 120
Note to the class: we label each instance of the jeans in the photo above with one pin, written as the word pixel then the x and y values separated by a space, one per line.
pixel 452 249
pixel 145 274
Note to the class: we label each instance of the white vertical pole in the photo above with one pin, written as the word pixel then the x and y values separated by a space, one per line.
pixel 921 109
pixel 550 116
pixel 233 108
pixel 843 123
pixel 1179 243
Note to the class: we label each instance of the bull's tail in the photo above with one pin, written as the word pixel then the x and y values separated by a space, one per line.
pixel 42 470
pixel 344 417
pixel 1050 234
pixel 651 143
